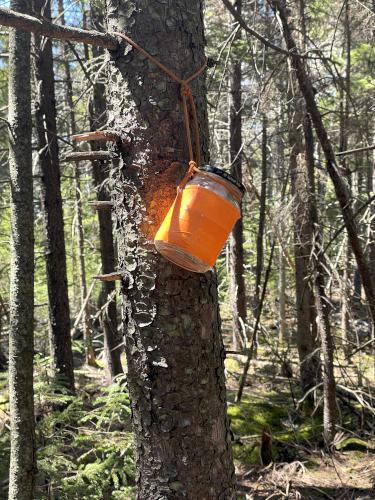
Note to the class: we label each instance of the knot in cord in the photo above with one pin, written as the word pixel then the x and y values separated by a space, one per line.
pixel 185 89
pixel 193 167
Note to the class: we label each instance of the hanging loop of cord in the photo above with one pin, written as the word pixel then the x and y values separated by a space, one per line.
pixel 187 98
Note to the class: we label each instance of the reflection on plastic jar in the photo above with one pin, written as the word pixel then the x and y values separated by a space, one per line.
pixel 200 220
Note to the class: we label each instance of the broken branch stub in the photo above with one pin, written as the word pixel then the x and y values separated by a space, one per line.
pixel 115 276
pixel 87 156
pixel 98 135
pixel 101 205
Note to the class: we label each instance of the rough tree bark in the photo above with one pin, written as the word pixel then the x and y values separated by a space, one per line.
pixel 237 280
pixel 173 344
pixel 302 190
pixel 21 327
pixel 55 255
pixel 98 120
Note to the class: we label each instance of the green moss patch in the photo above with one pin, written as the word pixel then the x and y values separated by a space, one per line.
pixel 256 412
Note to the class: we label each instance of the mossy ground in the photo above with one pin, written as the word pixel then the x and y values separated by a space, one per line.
pixel 301 468
pixel 271 406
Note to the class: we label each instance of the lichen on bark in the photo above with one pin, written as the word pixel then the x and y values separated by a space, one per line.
pixel 21 301
pixel 171 322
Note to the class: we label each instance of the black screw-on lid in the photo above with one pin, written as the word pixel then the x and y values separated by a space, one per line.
pixel 224 175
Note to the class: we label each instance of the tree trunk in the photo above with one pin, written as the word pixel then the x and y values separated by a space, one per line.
pixel 3 362
pixel 370 189
pixel 237 280
pixel 21 328
pixel 98 119
pixel 46 131
pixel 303 238
pixel 89 349
pixel 87 335
pixel 344 141
pixel 371 238
pixel 280 166
pixel 262 219
pixel 3 315
pixel 322 309
pixel 322 305
pixel 346 288
pixel 321 300
pixel 173 344
pixel 283 337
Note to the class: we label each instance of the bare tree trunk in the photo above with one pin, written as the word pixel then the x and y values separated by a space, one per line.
pixel 309 252
pixel 3 314
pixel 250 354
pixel 322 308
pixel 237 283
pixel 359 180
pixel 89 349
pixel 46 130
pixel 21 328
pixel 173 344
pixel 98 119
pixel 262 219
pixel 370 189
pixel 303 241
pixel 321 300
pixel 371 238
pixel 283 337
pixel 3 361
pixel 346 289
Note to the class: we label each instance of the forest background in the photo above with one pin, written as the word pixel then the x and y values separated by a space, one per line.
pixel 296 319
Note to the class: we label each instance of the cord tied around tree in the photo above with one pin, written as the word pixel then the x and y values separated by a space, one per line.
pixel 187 98
pixel 190 234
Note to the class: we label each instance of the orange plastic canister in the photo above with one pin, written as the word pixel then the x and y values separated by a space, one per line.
pixel 200 220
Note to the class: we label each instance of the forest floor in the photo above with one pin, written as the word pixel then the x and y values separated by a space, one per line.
pixel 85 450
pixel 300 468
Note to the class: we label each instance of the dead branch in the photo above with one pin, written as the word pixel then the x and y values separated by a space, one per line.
pixel 42 27
pixel 249 30
pixel 357 150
